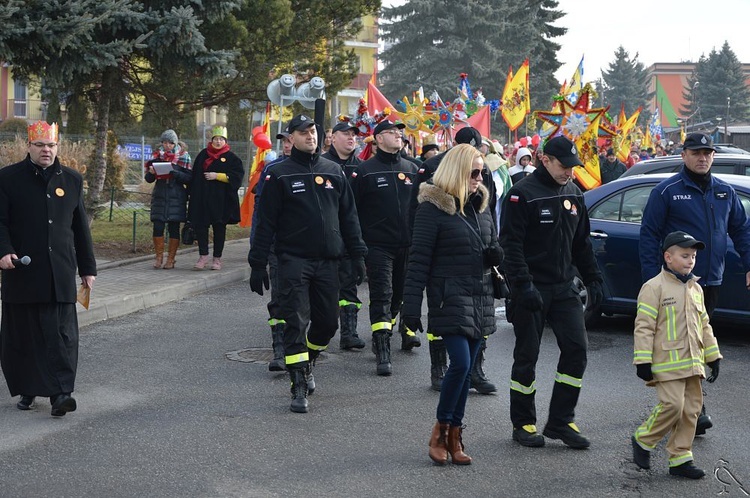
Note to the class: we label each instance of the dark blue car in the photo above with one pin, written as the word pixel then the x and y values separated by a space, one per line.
pixel 616 210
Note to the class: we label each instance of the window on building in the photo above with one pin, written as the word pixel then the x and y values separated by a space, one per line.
pixel 19 102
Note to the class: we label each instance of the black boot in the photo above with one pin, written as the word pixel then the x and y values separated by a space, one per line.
pixel 277 340
pixel 438 363
pixel 299 389
pixel 349 337
pixel 382 345
pixel 479 380
pixel 704 422
pixel 308 371
pixel 409 339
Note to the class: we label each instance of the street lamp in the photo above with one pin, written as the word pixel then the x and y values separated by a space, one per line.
pixel 726 121
pixel 696 108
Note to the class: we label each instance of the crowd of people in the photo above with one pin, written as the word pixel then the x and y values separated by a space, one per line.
pixel 444 223
pixel 439 222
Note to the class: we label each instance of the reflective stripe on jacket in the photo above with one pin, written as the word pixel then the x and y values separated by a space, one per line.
pixel 672 330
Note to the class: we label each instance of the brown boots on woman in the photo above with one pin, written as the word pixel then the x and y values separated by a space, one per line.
pixel 174 244
pixel 446 440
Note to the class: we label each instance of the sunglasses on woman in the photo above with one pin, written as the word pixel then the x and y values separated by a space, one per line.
pixel 475 173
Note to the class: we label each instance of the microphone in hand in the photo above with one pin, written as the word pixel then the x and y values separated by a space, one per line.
pixel 24 261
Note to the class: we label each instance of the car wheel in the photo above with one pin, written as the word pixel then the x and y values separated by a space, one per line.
pixel 590 315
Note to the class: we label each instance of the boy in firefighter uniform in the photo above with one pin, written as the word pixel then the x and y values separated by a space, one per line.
pixel 673 339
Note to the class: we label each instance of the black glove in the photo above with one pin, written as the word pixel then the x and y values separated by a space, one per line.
pixel 643 371
pixel 529 297
pixel 413 323
pixel 594 290
pixel 259 280
pixel 714 366
pixel 358 264
pixel 493 256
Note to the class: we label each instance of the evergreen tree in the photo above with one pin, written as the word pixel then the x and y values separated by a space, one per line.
pixel 625 82
pixel 109 50
pixel 433 41
pixel 717 88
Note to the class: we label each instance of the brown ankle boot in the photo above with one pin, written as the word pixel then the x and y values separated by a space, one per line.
pixel 159 250
pixel 456 447
pixel 174 244
pixel 438 443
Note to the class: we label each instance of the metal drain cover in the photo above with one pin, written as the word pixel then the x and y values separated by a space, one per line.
pixel 251 355
pixel 262 356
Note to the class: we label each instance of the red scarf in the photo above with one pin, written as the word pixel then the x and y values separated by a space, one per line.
pixel 213 155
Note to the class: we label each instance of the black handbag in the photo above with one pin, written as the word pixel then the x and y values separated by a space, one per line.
pixel 188 234
pixel 499 286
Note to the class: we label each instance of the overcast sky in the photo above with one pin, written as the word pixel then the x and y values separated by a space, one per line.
pixel 658 30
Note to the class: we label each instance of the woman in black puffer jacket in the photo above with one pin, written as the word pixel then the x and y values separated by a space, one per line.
pixel 454 244
pixel 169 197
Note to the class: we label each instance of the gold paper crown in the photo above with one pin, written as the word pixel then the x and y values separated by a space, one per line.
pixel 219 131
pixel 41 130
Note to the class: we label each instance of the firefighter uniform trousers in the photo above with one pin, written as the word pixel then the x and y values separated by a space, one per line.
pixel 386 273
pixel 274 312
pixel 308 294
pixel 348 281
pixel 680 402
pixel 563 309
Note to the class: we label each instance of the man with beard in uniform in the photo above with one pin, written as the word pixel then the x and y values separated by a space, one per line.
pixel 42 216
pixel 382 190
pixel 438 354
pixel 544 231
pixel 343 143
pixel 307 211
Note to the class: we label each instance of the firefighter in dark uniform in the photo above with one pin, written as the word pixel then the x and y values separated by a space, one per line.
pixel 382 190
pixel 343 143
pixel 544 231
pixel 308 212
pixel 438 355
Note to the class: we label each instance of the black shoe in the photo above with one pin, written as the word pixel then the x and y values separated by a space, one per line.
pixel 568 434
pixel 299 390
pixel 641 457
pixel 382 343
pixel 687 469
pixel 352 341
pixel 438 364
pixel 278 363
pixel 478 378
pixel 62 404
pixel 310 379
pixel 409 342
pixel 482 384
pixel 528 436
pixel 25 402
pixel 349 338
pixel 704 423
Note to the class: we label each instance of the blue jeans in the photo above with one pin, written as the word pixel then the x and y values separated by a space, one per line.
pixel 462 352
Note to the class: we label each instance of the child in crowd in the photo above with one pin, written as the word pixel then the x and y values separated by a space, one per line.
pixel 673 339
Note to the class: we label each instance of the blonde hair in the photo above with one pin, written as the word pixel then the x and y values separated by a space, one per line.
pixel 452 174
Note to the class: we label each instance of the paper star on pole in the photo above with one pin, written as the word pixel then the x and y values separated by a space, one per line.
pixel 413 115
pixel 571 120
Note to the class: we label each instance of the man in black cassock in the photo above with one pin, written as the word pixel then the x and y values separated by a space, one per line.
pixel 42 216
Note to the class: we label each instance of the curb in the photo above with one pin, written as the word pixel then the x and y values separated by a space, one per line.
pixel 140 259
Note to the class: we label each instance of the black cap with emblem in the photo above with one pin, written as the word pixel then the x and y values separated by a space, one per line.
pixel 564 150
pixel 697 141
pixel 300 122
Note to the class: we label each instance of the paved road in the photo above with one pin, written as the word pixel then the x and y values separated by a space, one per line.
pixel 164 412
